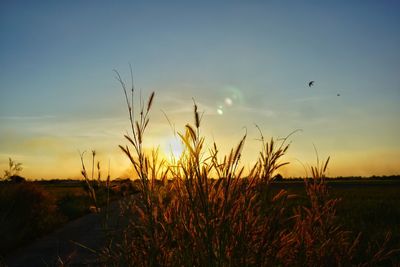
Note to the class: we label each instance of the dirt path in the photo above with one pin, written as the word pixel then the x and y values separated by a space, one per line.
pixel 62 245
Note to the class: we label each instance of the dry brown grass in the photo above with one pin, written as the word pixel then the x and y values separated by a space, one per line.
pixel 208 214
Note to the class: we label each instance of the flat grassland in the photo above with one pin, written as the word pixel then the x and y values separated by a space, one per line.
pixel 369 206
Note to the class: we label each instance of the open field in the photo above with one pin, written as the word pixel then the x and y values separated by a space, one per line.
pixel 368 206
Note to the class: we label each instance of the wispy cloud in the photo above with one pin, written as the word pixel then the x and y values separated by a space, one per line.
pixel 263 112
pixel 28 118
pixel 65 127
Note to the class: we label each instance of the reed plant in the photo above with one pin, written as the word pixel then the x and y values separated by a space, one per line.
pixel 201 210
pixel 90 183
pixel 98 190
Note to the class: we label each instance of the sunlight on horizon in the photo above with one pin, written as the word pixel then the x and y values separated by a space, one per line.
pixel 244 63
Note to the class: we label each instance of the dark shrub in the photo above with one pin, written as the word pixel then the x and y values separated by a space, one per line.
pixel 73 206
pixel 16 179
pixel 26 212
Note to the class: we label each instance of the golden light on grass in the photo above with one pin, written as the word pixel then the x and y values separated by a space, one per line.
pixel 196 210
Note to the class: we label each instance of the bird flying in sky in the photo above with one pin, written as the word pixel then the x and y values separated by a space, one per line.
pixel 311 83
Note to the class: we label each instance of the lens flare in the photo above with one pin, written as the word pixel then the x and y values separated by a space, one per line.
pixel 234 93
pixel 228 101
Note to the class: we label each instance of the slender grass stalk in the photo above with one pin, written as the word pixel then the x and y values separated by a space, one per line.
pixel 91 191
pixel 93 159
pixel 208 214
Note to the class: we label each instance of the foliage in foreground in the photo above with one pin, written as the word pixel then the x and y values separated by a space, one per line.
pixel 31 209
pixel 26 212
pixel 209 215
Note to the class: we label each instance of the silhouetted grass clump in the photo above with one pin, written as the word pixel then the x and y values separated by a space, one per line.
pixel 200 210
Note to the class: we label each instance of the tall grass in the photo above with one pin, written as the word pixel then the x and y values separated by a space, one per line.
pixel 201 210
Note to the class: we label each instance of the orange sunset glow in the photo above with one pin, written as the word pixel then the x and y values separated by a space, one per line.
pixel 59 95
pixel 199 133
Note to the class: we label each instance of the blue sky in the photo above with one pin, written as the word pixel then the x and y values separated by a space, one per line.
pixel 58 93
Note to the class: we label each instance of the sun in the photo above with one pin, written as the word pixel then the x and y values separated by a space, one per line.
pixel 173 148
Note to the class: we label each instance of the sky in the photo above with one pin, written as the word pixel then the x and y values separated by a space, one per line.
pixel 244 63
